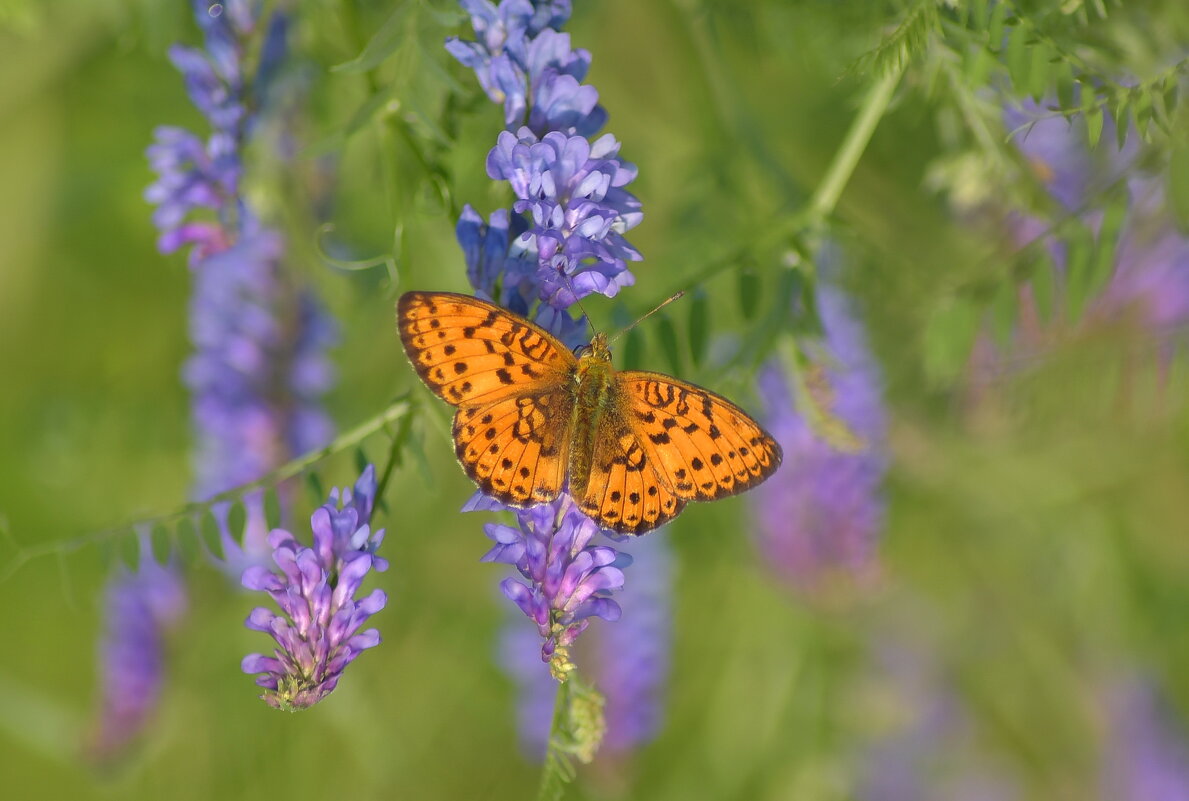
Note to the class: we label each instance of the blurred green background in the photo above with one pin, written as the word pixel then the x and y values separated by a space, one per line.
pixel 1034 557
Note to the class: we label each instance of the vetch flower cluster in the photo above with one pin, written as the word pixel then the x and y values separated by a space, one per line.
pixel 318 634
pixel 569 581
pixel 525 62
pixel 628 662
pixel 572 190
pixel 563 239
pixel 195 175
pixel 1150 282
pixel 139 607
pixel 819 518
pixel 259 367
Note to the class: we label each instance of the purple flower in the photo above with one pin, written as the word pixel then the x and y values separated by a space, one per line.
pixel 1146 755
pixel 569 580
pixel 523 62
pixel 628 662
pixel 573 192
pixel 562 240
pixel 259 368
pixel 1051 147
pixel 138 609
pixel 819 517
pixel 318 633
pixel 1150 283
pixel 1151 280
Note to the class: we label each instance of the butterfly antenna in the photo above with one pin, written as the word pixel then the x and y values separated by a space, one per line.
pixel 578 300
pixel 618 334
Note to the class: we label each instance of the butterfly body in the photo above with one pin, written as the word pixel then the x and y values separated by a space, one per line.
pixel 534 419
pixel 593 390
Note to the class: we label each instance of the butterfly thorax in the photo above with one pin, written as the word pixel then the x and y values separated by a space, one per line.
pixel 592 386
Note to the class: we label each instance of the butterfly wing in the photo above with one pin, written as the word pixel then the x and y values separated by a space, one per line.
pixel 472 353
pixel 700 444
pixel 509 379
pixel 624 491
pixel 516 449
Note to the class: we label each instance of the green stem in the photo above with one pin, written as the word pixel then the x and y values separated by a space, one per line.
pixel 397 442
pixel 825 198
pixel 286 471
pixel 552 779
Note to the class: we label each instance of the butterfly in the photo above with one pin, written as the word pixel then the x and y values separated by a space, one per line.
pixel 634 446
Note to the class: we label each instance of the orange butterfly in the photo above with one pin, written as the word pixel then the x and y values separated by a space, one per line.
pixel 635 445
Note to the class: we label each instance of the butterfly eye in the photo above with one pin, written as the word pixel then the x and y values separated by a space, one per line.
pixel 582 350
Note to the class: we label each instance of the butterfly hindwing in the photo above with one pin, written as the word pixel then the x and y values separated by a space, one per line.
pixel 623 491
pixel 516 449
pixel 701 444
pixel 471 352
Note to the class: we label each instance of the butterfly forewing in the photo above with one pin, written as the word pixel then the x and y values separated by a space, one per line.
pixel 471 352
pixel 701 444
pixel 624 491
pixel 508 377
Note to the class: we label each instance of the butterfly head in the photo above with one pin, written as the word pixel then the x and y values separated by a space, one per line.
pixel 596 351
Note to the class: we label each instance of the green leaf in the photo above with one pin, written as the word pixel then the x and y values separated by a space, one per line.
pixel 161 544
pixel 667 334
pixel 1169 96
pixel 416 447
pixel 1102 264
pixel 948 337
pixel 386 41
pixel 1044 285
pixel 186 542
pixel 976 13
pixel 979 63
pixel 1040 68
pixel 212 536
pixel 272 508
pixel 749 292
pixel 1079 251
pixel 699 325
pixel 791 295
pixel 128 549
pixel 633 350
pixel 237 521
pixel 368 109
pixel 107 552
pixel 313 483
pixel 361 460
pixel 1178 184
pixel 996 24
pixel 1094 119
pixel 1122 120
pixel 1017 60
pixel 1004 306
pixel 1065 85
pixel 1142 113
